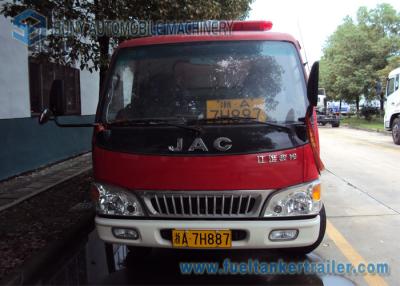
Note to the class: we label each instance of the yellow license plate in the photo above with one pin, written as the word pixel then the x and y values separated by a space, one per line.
pixel 249 107
pixel 202 238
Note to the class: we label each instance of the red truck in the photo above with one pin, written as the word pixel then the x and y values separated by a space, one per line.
pixel 208 141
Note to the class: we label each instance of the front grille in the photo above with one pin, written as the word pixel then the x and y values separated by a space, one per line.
pixel 215 204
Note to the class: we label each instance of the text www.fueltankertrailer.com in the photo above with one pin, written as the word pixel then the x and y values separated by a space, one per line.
pixel 255 267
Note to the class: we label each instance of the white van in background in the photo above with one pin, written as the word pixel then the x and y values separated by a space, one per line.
pixel 392 109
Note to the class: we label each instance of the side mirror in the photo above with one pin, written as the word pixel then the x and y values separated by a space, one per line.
pixel 57 103
pixel 312 85
pixel 57 97
pixel 44 116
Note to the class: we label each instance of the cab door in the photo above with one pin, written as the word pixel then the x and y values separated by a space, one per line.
pixel 393 96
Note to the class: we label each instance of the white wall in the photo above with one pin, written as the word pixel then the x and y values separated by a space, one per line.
pixel 14 77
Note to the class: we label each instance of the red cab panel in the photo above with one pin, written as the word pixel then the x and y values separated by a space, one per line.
pixel 234 172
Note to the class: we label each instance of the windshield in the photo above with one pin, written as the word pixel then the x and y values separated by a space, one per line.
pixel 263 80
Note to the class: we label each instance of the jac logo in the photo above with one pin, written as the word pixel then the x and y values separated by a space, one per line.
pixel 221 144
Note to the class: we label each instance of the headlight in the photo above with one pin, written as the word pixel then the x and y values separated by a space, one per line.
pixel 112 200
pixel 296 201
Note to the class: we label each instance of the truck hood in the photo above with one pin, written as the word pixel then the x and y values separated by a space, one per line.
pixel 271 170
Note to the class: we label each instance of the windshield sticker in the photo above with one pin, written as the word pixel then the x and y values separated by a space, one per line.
pixel 249 107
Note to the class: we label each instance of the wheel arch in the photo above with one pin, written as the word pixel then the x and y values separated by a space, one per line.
pixel 392 118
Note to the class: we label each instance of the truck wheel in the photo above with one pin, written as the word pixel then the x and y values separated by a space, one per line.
pixel 396 131
pixel 336 124
pixel 301 251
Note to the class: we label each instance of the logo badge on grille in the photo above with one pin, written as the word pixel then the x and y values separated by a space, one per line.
pixel 221 144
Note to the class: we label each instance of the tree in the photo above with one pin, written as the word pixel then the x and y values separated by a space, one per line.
pixel 346 62
pixel 93 52
pixel 358 51
pixel 383 26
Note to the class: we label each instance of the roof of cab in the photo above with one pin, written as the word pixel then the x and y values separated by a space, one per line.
pixel 394 72
pixel 234 36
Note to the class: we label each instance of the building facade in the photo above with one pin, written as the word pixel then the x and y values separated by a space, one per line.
pixel 24 92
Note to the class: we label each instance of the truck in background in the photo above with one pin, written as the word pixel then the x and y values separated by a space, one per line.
pixel 331 106
pixel 392 109
pixel 336 107
pixel 324 114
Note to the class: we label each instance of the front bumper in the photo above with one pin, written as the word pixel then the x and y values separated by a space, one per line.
pixel 387 125
pixel 257 231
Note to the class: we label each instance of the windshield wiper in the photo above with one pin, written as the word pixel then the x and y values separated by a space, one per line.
pixel 152 122
pixel 238 119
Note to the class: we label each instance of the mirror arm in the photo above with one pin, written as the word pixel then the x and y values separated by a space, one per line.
pixel 72 125
pixel 310 110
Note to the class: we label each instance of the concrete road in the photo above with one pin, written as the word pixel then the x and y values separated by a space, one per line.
pixel 361 184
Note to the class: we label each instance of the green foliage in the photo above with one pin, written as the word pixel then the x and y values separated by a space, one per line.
pixel 360 52
pixel 393 62
pixel 375 123
pixel 93 52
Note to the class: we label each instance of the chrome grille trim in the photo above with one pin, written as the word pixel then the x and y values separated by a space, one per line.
pixel 165 204
pixel 247 205
pixel 240 204
pixel 190 206
pixel 183 209
pixel 231 206
pixel 205 204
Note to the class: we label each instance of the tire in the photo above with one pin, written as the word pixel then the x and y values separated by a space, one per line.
pixel 302 251
pixel 334 125
pixel 396 131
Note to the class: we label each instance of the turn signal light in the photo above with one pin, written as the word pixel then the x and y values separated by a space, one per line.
pixel 316 192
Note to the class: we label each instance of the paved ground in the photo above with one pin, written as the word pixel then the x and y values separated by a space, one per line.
pixel 19 188
pixel 360 185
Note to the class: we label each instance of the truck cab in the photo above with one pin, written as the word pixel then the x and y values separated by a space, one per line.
pixel 209 141
pixel 392 108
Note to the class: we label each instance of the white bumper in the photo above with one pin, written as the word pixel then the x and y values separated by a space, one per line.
pixel 257 231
